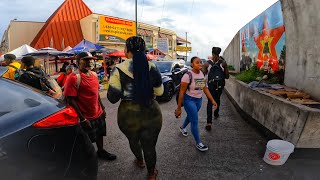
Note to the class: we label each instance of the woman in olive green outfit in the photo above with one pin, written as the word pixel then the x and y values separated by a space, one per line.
pixel 136 82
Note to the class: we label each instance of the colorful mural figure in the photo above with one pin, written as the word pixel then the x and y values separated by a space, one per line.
pixel 263 41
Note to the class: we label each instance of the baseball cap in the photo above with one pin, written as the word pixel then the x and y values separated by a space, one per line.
pixel 85 55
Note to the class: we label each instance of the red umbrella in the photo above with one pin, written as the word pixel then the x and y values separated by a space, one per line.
pixel 117 54
pixel 151 57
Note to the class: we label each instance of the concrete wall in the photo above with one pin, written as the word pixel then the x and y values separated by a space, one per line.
pixel 302 19
pixel 292 122
pixel 21 33
pixel 232 53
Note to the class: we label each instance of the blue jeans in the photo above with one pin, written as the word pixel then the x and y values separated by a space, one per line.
pixel 192 106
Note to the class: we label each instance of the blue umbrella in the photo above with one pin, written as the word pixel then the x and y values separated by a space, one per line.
pixel 77 50
pixel 89 45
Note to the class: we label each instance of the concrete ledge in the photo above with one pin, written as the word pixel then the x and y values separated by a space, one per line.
pixel 292 122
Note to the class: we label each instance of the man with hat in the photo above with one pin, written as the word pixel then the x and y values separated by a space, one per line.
pixel 82 92
pixel 12 66
pixel 216 71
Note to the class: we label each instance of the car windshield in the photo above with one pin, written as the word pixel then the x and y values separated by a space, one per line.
pixel 163 67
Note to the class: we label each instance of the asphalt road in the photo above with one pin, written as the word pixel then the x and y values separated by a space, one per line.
pixel 235 150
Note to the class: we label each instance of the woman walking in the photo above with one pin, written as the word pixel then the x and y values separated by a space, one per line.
pixel 192 85
pixel 136 82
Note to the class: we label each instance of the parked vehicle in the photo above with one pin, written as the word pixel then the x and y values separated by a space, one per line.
pixel 40 137
pixel 171 72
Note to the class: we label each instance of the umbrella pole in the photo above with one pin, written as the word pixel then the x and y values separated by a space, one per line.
pixel 56 62
pixel 105 67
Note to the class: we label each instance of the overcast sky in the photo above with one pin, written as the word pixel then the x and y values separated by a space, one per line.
pixel 208 22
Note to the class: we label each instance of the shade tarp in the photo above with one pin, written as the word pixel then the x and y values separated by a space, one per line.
pixel 85 44
pixel 20 51
pixel 67 49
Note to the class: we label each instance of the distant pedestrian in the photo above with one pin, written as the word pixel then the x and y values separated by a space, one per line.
pixel 136 82
pixel 12 65
pixel 216 71
pixel 69 70
pixel 193 84
pixel 63 73
pixel 82 93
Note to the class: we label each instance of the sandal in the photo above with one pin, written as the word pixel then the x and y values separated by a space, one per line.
pixel 208 127
pixel 153 177
pixel 140 163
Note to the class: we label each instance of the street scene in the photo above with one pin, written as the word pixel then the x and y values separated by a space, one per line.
pixel 95 90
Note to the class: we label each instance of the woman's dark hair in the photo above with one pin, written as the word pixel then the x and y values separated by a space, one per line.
pixel 142 91
pixel 63 68
pixel 193 58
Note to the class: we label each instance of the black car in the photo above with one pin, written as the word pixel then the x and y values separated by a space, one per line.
pixel 40 137
pixel 171 72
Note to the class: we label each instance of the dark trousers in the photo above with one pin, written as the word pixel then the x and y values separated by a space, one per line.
pixel 141 125
pixel 216 94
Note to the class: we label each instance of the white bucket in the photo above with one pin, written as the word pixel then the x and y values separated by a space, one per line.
pixel 277 152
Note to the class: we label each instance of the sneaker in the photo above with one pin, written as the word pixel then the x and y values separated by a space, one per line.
pixel 106 155
pixel 183 132
pixel 153 176
pixel 201 147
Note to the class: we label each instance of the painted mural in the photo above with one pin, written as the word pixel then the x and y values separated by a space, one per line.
pixel 263 41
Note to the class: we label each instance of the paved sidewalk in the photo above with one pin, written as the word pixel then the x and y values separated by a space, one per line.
pixel 235 151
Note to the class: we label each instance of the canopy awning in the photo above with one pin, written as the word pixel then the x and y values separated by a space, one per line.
pixel 161 35
pixel 143 32
pixel 20 51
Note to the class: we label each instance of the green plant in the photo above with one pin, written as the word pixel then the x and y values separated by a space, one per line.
pixel 231 68
pixel 250 75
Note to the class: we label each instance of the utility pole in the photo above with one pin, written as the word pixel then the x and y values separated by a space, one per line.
pixel 186 46
pixel 136 17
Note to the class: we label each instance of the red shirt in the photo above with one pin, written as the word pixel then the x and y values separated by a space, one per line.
pixel 87 94
pixel 62 78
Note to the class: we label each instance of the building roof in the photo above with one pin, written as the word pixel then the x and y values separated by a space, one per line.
pixel 63 28
pixel 181 40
